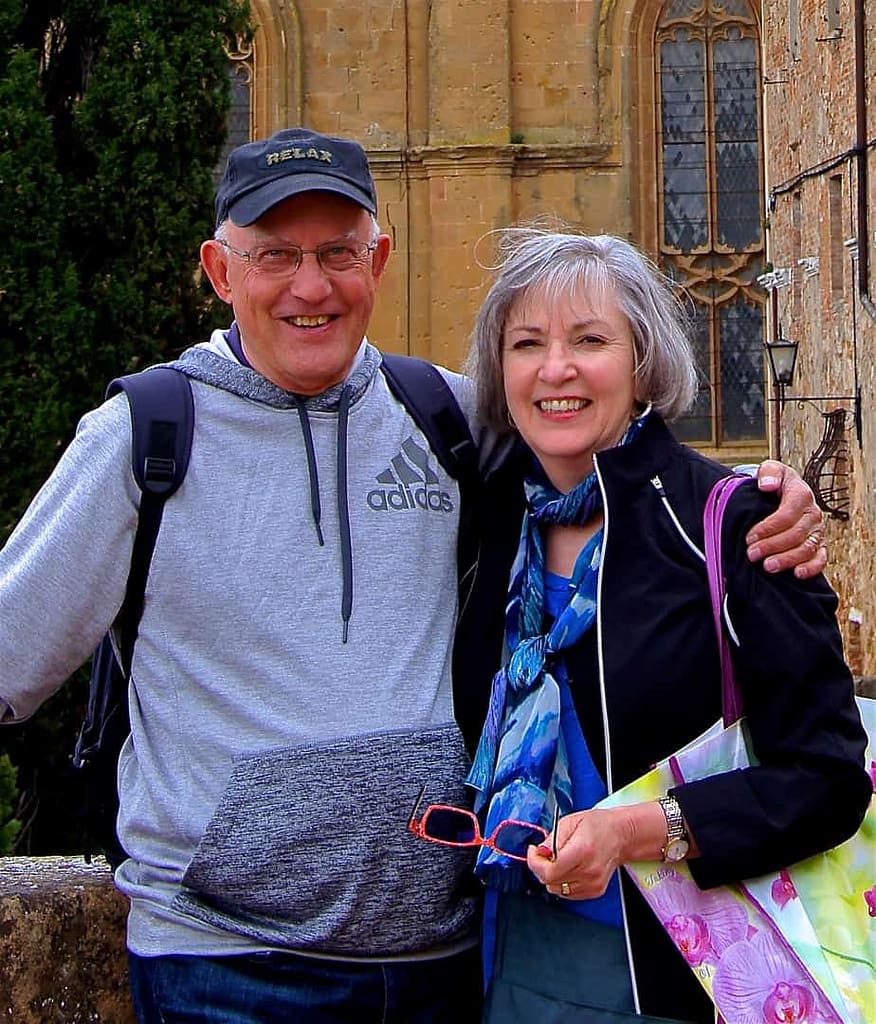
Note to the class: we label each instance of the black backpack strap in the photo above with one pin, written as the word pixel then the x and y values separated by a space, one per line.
pixel 162 423
pixel 422 390
pixel 426 395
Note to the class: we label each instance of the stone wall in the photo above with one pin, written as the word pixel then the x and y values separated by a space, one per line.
pixel 62 943
pixel 811 102
pixel 474 115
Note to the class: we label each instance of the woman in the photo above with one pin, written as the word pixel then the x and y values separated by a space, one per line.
pixel 581 348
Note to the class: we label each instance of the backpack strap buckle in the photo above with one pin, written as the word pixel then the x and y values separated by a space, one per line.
pixel 159 474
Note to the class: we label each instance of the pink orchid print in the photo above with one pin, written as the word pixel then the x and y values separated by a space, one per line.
pixel 782 890
pixel 758 982
pixel 701 924
pixel 870 900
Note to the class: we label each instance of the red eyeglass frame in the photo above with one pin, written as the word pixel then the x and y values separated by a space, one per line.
pixel 418 828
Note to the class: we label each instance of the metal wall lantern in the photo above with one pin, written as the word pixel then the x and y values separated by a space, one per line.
pixel 783 360
pixel 782 353
pixel 826 471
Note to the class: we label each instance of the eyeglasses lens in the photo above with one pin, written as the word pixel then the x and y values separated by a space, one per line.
pixel 449 826
pixel 341 257
pixel 513 839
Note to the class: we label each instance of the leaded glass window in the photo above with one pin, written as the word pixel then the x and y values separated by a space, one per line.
pixel 710 205
pixel 239 122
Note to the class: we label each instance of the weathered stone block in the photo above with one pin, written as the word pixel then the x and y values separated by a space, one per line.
pixel 62 943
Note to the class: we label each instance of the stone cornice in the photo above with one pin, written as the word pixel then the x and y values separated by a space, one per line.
pixel 512 159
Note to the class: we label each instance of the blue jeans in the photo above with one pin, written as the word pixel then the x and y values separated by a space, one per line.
pixel 279 988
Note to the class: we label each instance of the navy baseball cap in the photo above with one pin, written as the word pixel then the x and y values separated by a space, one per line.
pixel 258 175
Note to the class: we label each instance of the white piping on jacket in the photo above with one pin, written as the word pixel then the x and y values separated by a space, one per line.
pixel 657 483
pixel 609 782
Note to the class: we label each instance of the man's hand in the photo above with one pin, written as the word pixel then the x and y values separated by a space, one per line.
pixel 793 536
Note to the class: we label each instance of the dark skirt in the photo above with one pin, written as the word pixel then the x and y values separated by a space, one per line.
pixel 556 967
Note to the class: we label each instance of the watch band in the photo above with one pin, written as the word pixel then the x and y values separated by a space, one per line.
pixel 677 844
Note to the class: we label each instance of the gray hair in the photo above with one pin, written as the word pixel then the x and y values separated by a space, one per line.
pixel 555 263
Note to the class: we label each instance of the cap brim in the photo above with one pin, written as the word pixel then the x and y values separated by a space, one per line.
pixel 248 208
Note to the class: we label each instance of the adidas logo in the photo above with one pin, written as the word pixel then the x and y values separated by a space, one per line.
pixel 410 484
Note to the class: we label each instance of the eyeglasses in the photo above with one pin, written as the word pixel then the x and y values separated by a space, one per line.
pixel 334 257
pixel 455 826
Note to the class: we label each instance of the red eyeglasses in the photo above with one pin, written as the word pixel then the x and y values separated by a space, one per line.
pixel 456 826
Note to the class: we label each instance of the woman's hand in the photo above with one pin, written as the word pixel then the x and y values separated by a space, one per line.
pixel 592 845
pixel 793 536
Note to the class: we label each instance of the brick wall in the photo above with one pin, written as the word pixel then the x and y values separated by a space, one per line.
pixel 810 100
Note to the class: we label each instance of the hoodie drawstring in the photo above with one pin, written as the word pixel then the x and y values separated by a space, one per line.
pixel 315 507
pixel 344 511
pixel 344 394
pixel 342 492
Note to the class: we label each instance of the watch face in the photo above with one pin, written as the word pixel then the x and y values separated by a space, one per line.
pixel 676 850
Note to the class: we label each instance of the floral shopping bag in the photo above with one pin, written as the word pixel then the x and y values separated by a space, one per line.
pixel 797 947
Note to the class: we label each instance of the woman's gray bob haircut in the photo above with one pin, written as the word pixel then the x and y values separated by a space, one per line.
pixel 553 264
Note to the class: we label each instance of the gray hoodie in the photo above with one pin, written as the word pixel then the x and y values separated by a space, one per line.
pixel 291 687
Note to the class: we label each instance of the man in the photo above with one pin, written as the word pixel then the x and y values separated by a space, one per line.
pixel 291 686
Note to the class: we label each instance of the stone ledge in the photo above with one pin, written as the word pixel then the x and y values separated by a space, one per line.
pixel 865 686
pixel 62 943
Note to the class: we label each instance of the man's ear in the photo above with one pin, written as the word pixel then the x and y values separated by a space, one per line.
pixel 214 260
pixel 380 255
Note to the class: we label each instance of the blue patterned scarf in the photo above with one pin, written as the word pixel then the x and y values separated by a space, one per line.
pixel 521 768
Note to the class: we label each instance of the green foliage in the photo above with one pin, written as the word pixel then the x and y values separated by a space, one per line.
pixel 9 824
pixel 112 118
pixel 39 292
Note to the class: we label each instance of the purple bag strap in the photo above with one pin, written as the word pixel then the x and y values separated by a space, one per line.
pixel 716 503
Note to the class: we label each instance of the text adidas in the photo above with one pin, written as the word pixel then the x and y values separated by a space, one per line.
pixel 403 498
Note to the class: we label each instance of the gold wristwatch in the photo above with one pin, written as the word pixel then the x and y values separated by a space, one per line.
pixel 677 844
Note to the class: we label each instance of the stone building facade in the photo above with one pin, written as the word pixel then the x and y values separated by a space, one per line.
pixel 651 119
pixel 475 114
pixel 636 118
pixel 820 104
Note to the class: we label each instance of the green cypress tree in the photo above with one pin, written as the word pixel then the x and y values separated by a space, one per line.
pixel 148 133
pixel 39 291
pixel 9 824
pixel 112 118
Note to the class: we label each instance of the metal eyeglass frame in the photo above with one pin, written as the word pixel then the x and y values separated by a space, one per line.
pixel 251 255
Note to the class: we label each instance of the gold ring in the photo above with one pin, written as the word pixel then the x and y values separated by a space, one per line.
pixel 565 889
pixel 815 540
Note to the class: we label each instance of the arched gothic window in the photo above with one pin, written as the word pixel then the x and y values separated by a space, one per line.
pixel 239 123
pixel 266 75
pixel 710 230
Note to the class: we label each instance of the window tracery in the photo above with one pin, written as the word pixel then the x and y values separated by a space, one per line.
pixel 710 235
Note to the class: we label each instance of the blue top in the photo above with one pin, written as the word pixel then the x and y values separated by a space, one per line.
pixel 588 788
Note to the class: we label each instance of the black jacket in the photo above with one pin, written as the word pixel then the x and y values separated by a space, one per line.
pixel 653 660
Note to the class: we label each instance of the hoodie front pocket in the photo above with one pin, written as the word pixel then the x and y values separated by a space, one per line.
pixel 309 847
